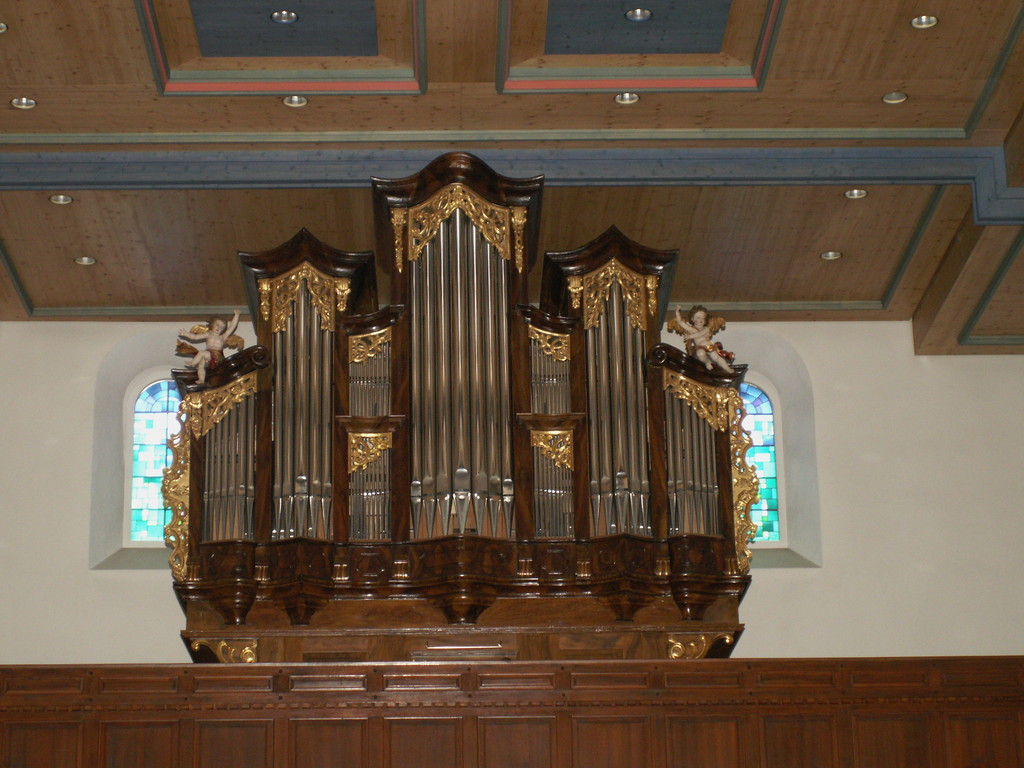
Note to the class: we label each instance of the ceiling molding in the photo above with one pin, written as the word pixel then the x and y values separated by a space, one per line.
pixel 983 168
pixel 966 336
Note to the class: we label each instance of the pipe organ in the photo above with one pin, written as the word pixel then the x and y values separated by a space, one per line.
pixel 459 473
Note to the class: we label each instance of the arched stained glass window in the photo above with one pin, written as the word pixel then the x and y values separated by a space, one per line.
pixel 760 423
pixel 155 422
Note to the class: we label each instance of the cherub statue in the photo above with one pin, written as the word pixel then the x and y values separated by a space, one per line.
pixel 217 335
pixel 697 329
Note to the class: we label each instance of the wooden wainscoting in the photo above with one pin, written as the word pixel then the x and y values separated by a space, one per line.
pixel 820 713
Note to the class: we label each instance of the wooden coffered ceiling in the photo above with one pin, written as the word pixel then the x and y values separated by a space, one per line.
pixel 164 121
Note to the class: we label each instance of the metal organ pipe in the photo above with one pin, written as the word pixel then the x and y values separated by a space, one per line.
pixel 617 397
pixel 461 452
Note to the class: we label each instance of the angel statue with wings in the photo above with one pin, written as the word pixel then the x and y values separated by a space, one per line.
pixel 217 335
pixel 697 328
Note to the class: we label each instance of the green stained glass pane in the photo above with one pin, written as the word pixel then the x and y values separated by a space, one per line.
pixel 155 422
pixel 760 423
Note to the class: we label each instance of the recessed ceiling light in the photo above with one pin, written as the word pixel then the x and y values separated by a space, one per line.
pixel 85 261
pixel 894 97
pixel 923 22
pixel 23 102
pixel 295 101
pixel 627 98
pixel 284 17
pixel 830 255
pixel 856 194
pixel 3 27
pixel 61 199
pixel 638 14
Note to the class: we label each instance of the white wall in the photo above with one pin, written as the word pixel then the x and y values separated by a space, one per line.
pixel 919 474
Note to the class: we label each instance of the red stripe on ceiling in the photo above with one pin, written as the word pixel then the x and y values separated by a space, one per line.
pixel 301 86
pixel 638 84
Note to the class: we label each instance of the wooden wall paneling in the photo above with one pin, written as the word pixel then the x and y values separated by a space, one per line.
pixel 516 742
pixel 799 741
pixel 423 742
pixel 323 743
pixel 462 42
pixel 1014 148
pixel 892 741
pixel 138 744
pixel 223 743
pixel 610 741
pixel 705 742
pixel 42 745
pixel 985 741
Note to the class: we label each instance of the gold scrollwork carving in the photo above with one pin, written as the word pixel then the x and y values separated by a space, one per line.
pixel 554 345
pixel 361 348
pixel 519 225
pixel 713 404
pixel 598 284
pixel 722 408
pixel 426 218
pixel 690 647
pixel 278 295
pixel 575 290
pixel 364 448
pixel 652 293
pixel 205 408
pixel 398 218
pixel 745 486
pixel 230 651
pixel 175 489
pixel 554 444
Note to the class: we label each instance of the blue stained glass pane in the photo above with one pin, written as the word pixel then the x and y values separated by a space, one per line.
pixel 760 423
pixel 155 423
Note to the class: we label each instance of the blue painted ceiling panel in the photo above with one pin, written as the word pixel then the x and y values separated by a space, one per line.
pixel 242 28
pixel 600 26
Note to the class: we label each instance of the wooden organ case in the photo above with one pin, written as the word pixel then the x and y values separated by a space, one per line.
pixel 459 474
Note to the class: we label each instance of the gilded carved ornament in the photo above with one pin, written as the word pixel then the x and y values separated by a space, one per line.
pixel 361 348
pixel 230 651
pixel 398 219
pixel 425 219
pixel 364 448
pixel 690 647
pixel 595 287
pixel 519 225
pixel 278 295
pixel 175 489
pixel 554 345
pixel 722 408
pixel 555 444
pixel 205 408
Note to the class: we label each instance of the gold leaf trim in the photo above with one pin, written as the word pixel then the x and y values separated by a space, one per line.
pixel 175 489
pixel 230 651
pixel 398 218
pixel 519 225
pixel 713 404
pixel 652 294
pixel 554 444
pixel 361 348
pixel 426 218
pixel 598 284
pixel 364 448
pixel 746 488
pixel 278 295
pixel 722 408
pixel 554 345
pixel 695 647
pixel 575 290
pixel 205 408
